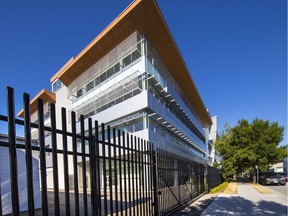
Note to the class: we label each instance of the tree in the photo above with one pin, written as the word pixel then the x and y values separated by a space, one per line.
pixel 248 145
pixel 216 164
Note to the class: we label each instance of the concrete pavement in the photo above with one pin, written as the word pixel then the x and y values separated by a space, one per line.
pixel 248 201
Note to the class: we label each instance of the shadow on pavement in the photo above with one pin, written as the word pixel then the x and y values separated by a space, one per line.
pixel 234 205
pixel 239 206
pixel 196 208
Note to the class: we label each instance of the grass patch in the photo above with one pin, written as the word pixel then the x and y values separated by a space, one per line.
pixel 231 188
pixel 262 189
pixel 225 188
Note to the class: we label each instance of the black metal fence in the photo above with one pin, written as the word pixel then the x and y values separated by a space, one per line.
pixel 87 169
pixel 179 181
pixel 213 177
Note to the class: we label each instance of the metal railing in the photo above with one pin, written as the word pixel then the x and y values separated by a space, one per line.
pixel 112 173
pixel 179 181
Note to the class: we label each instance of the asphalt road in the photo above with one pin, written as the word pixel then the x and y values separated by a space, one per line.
pixel 279 189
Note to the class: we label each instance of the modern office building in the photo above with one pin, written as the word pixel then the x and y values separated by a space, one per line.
pixel 132 76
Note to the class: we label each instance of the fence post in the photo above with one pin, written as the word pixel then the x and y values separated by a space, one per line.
pixel 55 159
pixel 12 151
pixel 28 151
pixel 155 183
pixel 75 162
pixel 44 199
pixel 65 161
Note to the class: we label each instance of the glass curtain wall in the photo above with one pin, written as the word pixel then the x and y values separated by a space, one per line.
pixel 157 81
pixel 119 76
pixel 115 78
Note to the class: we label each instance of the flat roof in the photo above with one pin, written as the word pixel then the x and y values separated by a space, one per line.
pixel 45 95
pixel 143 16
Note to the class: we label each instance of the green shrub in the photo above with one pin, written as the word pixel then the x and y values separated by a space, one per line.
pixel 229 180
pixel 219 188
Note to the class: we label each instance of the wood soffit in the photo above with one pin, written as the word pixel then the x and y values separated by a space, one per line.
pixel 144 17
pixel 45 95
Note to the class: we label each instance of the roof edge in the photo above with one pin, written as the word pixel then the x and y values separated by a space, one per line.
pixel 129 8
pixel 56 75
pixel 45 95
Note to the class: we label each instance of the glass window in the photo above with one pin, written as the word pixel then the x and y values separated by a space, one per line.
pixel 110 72
pixel 128 128
pixel 127 96
pixel 110 104
pixel 119 100
pixel 127 60
pixel 97 81
pixel 135 55
pixel 56 85
pixel 117 67
pixel 152 126
pixel 79 93
pixel 138 124
pixel 102 77
pixel 90 86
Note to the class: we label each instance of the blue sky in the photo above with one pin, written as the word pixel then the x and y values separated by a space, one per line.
pixel 235 50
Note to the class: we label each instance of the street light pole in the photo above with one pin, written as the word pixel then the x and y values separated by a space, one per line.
pixel 257 174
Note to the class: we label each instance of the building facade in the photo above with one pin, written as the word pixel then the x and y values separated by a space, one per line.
pixel 132 77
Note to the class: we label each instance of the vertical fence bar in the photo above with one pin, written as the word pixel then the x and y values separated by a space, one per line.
pixel 75 164
pixel 159 180
pixel 179 186
pixel 115 171
pixel 125 172
pixel 120 171
pixel 140 171
pixel 129 172
pixel 98 173
pixel 142 174
pixel 133 174
pixel 12 151
pixel 104 169
pixel 137 172
pixel 142 208
pixel 145 176
pixel 83 152
pixel 44 199
pixel 92 167
pixel 191 178
pixel 55 160
pixel 110 169
pixel 65 161
pixel 28 151
pixel 155 186
pixel 149 176
pixel 162 176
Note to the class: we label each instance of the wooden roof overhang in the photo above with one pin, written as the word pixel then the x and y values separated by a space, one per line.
pixel 144 17
pixel 45 95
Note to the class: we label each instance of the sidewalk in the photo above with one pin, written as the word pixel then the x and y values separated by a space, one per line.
pixel 248 201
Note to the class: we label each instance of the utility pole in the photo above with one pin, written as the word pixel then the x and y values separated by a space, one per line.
pixel 257 174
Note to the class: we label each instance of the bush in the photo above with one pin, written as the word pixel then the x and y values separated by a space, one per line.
pixel 229 180
pixel 219 188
